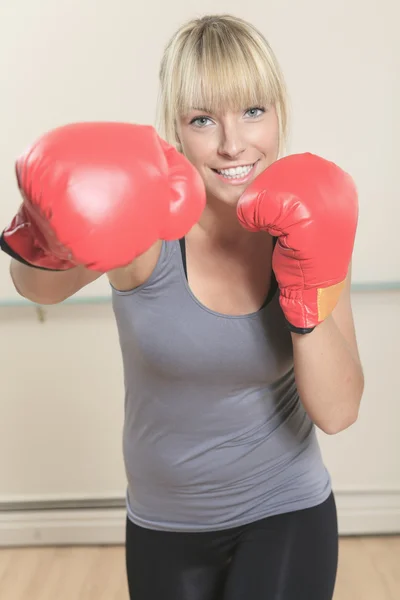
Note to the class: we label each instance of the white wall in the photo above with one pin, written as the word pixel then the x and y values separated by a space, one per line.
pixel 62 392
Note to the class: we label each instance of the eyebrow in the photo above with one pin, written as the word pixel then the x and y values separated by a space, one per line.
pixel 202 109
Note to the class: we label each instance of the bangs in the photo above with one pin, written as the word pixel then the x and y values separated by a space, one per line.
pixel 214 64
pixel 223 74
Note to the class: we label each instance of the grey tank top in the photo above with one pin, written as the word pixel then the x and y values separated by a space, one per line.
pixel 215 435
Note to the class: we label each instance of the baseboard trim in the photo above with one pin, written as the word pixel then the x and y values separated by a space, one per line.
pixel 368 512
pixel 360 512
pixel 63 528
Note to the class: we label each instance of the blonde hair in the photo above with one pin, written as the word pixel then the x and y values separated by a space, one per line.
pixel 218 62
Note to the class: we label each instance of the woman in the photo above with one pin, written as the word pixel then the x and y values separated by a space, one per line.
pixel 228 496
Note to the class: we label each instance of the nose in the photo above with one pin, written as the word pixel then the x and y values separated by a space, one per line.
pixel 231 143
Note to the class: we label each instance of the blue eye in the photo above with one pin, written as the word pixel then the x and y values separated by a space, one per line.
pixel 255 110
pixel 199 121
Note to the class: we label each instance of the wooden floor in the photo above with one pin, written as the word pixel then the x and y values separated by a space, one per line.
pixel 369 569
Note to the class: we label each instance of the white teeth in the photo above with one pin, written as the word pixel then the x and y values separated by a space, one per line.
pixel 236 172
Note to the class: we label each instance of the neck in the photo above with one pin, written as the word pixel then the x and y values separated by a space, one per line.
pixel 219 223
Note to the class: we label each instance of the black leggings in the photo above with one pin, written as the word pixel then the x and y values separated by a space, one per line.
pixel 292 556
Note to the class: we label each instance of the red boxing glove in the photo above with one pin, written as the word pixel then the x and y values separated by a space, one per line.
pixel 99 195
pixel 312 206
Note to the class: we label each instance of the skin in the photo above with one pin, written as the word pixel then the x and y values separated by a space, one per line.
pixel 220 141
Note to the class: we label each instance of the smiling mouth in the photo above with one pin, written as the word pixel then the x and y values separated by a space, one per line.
pixel 235 172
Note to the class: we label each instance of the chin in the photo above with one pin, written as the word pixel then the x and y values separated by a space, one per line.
pixel 229 199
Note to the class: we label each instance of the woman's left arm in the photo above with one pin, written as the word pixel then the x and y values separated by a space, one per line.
pixel 328 370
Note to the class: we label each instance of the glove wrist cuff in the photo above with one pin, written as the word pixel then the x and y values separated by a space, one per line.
pixel 299 330
pixel 5 247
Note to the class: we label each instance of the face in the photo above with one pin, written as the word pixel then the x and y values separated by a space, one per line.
pixel 230 149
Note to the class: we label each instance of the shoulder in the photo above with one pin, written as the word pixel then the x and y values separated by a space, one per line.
pixel 143 268
pixel 138 271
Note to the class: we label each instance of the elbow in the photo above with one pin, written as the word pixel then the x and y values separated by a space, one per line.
pixel 339 424
pixel 29 291
pixel 348 417
pixel 46 300
pixel 38 298
pixel 335 427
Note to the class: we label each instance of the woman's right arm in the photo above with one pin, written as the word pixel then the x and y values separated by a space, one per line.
pixel 49 287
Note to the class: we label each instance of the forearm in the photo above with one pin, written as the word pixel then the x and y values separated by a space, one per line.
pixel 48 287
pixel 329 377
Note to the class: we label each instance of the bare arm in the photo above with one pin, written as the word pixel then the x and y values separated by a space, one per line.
pixel 49 287
pixel 328 370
